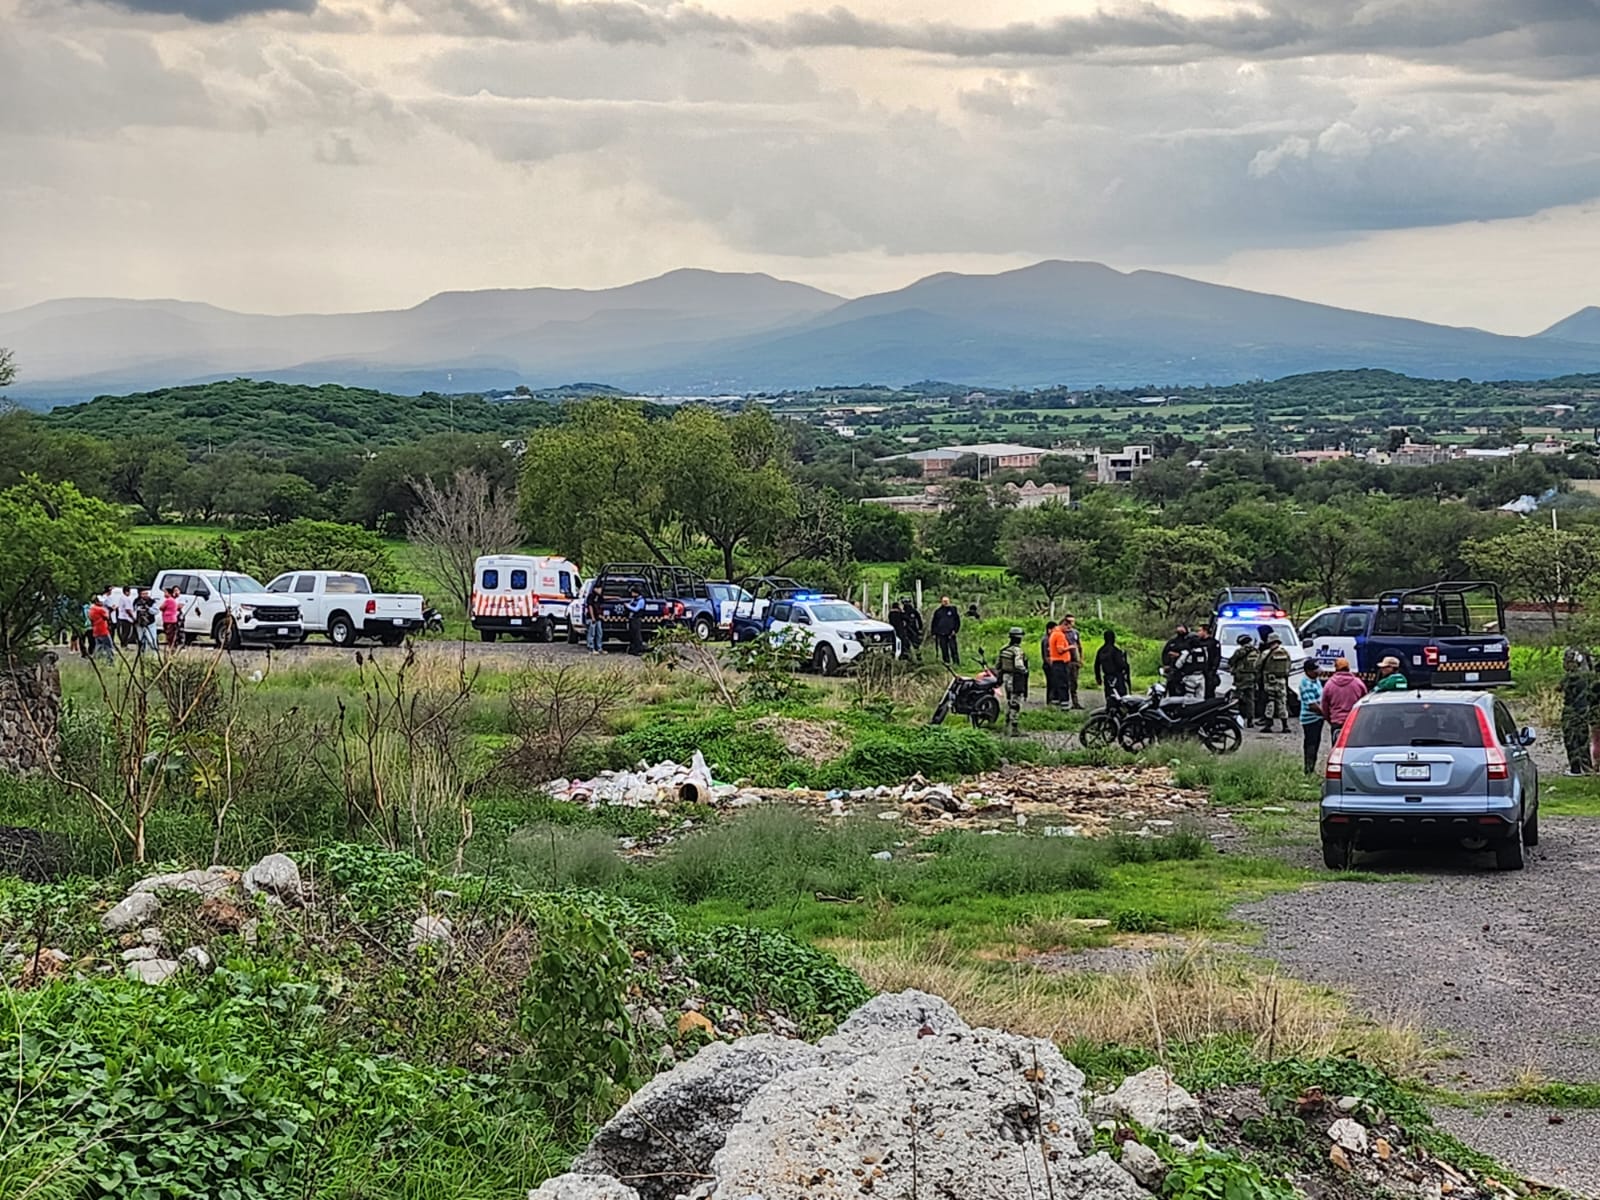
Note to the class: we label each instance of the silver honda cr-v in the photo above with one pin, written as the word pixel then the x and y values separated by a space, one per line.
pixel 1430 765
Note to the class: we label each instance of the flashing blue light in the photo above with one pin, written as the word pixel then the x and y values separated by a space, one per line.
pixel 806 596
pixel 1233 611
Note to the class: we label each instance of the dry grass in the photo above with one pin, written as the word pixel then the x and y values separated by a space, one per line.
pixel 1183 996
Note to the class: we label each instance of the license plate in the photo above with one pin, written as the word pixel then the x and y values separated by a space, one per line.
pixel 1471 677
pixel 516 620
pixel 399 620
pixel 283 633
pixel 1413 771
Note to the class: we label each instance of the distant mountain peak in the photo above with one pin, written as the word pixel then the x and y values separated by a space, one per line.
pixel 1581 326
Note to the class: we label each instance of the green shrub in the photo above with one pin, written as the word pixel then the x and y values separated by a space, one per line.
pixel 887 756
pixel 972 864
pixel 732 749
pixel 758 968
pixel 563 857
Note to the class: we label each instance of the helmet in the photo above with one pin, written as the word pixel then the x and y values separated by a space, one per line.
pixel 1274 640
pixel 1016 632
pixel 1246 640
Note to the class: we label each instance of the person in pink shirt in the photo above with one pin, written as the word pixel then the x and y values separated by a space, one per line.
pixel 1340 692
pixel 169 617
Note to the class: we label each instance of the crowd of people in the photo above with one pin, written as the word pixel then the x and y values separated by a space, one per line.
pixel 130 617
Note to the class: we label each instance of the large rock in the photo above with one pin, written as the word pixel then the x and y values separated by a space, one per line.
pixel 891 1018
pixel 583 1187
pixel 275 875
pixel 1151 1099
pixel 978 1115
pixel 209 882
pixel 662 1141
pixel 131 912
pixel 437 932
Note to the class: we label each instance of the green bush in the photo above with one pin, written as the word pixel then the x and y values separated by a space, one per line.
pixel 759 968
pixel 889 756
pixel 310 546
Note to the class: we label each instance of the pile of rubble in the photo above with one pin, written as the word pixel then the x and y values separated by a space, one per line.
pixel 1068 801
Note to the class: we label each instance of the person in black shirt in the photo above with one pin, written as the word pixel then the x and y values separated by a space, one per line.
pixel 944 626
pixel 1111 669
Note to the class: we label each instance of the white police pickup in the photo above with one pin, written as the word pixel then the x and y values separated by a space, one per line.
pixel 836 631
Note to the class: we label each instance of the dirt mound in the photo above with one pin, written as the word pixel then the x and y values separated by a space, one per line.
pixel 816 742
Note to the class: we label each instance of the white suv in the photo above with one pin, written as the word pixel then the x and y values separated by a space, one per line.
pixel 231 608
pixel 837 631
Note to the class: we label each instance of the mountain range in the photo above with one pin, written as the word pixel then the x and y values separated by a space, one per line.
pixel 693 331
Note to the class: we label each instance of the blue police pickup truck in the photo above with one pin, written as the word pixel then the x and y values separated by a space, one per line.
pixel 1449 634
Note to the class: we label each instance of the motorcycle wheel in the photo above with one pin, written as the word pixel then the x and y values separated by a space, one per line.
pixel 985 712
pixel 1220 735
pixel 940 713
pixel 1099 733
pixel 1136 735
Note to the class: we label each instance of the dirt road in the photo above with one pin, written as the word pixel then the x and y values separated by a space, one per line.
pixel 1502 967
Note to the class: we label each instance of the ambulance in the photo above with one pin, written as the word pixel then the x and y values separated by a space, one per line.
pixel 522 596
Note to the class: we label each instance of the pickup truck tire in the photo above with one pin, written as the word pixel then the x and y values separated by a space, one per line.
pixel 225 633
pixel 827 662
pixel 487 635
pixel 1508 854
pixel 544 630
pixel 703 628
pixel 340 631
pixel 572 634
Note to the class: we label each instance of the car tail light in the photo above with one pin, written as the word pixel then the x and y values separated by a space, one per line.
pixel 1430 655
pixel 1335 767
pixel 372 607
pixel 1494 753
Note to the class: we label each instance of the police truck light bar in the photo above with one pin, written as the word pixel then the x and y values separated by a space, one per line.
pixel 1239 613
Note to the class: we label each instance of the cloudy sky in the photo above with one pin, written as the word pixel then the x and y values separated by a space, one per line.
pixel 1433 158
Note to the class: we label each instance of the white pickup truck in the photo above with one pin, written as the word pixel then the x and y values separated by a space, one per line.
pixel 342 605
pixel 230 608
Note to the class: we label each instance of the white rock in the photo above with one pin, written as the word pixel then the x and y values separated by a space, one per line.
pixel 196 958
pixel 883 856
pixel 890 1018
pixel 208 882
pixel 140 954
pixel 1151 1100
pixel 1352 1135
pixel 150 935
pixel 583 1187
pixel 276 876
pixel 429 930
pixel 1143 1163
pixel 663 1139
pixel 152 970
pixel 978 1115
pixel 1348 1104
pixel 136 910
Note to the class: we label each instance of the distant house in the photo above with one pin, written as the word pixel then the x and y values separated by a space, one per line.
pixel 1315 458
pixel 929 500
pixel 1032 495
pixel 991 456
pixel 1411 454
pixel 1119 466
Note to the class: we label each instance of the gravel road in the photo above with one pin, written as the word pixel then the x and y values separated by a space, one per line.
pixel 1503 967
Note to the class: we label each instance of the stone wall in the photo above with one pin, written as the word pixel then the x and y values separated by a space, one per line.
pixel 30 715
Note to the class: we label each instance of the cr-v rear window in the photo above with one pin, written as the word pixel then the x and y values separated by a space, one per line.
pixel 1417 723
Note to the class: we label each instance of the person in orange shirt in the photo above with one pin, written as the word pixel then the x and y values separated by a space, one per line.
pixel 1060 662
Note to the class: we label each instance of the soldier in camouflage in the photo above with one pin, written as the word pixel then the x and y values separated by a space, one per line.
pixel 1244 664
pixel 1012 665
pixel 1275 667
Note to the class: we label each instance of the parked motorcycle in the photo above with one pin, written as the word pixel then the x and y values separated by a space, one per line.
pixel 1215 724
pixel 976 697
pixel 432 620
pixel 1104 725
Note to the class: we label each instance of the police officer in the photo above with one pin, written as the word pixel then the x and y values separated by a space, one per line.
pixel 1275 667
pixel 1244 664
pixel 1013 668
pixel 635 609
pixel 1210 659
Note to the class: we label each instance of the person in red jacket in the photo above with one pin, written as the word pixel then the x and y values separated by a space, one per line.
pixel 100 628
pixel 1340 692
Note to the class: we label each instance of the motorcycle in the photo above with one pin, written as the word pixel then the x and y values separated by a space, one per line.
pixel 432 620
pixel 1215 724
pixel 1104 725
pixel 976 697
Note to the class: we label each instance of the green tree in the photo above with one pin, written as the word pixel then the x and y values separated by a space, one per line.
pixel 1535 562
pixel 1179 570
pixel 1049 565
pixel 30 446
pixel 592 486
pixel 311 545
pixel 384 496
pixel 146 470
pixel 56 546
pixel 725 479
pixel 1337 546
pixel 1266 534
pixel 879 533
pixel 968 531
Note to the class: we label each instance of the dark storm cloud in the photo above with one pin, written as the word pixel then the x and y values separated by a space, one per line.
pixel 1545 38
pixel 214 12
